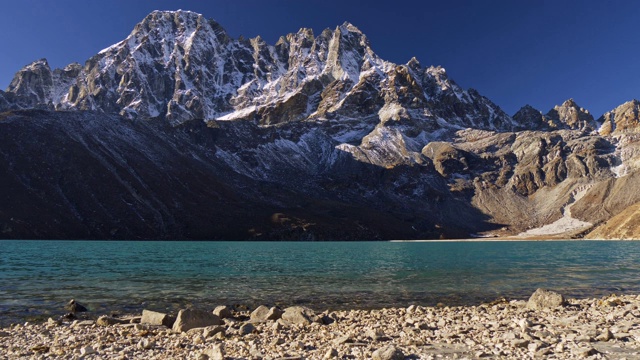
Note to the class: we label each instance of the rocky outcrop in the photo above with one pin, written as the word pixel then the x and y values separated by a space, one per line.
pixel 571 116
pixel 623 119
pixel 530 118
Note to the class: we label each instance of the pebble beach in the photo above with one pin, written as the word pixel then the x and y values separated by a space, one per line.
pixel 544 326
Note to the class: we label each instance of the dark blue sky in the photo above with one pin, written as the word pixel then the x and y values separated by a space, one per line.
pixel 513 51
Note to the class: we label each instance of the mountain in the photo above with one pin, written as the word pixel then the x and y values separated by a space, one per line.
pixel 624 118
pixel 180 131
pixel 571 116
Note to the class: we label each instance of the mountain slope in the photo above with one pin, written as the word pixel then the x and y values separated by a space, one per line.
pixel 181 132
pixel 625 225
pixel 90 175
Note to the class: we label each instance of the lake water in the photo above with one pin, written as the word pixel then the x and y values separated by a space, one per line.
pixel 38 277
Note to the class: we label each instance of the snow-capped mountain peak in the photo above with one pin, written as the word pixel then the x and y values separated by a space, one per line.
pixel 180 66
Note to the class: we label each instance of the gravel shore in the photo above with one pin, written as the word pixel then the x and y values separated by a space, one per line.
pixel 545 326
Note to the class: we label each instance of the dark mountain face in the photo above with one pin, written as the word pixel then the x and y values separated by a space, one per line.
pixel 181 132
pixel 90 175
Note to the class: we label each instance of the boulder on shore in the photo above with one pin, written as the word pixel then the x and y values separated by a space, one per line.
pixel 157 318
pixel 545 299
pixel 194 318
pixel 223 312
pixel 298 315
pixel 263 314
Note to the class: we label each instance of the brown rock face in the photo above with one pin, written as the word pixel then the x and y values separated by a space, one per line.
pixel 623 119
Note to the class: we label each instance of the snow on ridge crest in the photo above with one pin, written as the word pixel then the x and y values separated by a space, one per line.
pixel 180 66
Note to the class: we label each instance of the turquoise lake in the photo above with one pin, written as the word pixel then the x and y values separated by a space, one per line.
pixel 38 277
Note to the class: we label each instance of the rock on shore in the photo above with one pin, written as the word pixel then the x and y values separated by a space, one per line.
pixel 591 328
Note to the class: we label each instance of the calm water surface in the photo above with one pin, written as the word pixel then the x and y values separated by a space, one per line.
pixel 38 277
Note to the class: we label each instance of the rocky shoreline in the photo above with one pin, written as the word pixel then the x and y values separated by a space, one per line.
pixel 545 326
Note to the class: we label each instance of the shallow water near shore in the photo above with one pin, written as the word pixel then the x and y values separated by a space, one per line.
pixel 38 277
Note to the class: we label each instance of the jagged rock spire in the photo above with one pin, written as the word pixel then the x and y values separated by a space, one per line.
pixel 571 116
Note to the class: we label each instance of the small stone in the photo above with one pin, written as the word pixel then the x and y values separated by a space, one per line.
pixel 74 306
pixel 342 340
pixel 388 353
pixel 277 326
pixel 524 324
pixel 544 299
pixel 215 353
pixel 212 330
pixel 559 348
pixel 583 352
pixel 223 312
pixel 198 340
pixel 87 350
pixel 331 354
pixel 247 329
pixel 194 318
pixel 582 338
pixel 156 318
pixel 195 331
pixel 375 335
pixel 108 321
pixel 146 344
pixel 84 323
pixel 621 335
pixel 51 322
pixel 520 343
pixel 255 353
pixel 40 349
pixel 606 335
pixel 542 353
pixel 133 319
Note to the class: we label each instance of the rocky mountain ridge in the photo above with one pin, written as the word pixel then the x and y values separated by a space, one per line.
pixel 198 135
